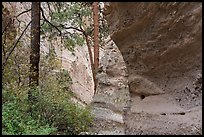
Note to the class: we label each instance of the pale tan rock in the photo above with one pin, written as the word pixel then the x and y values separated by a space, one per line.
pixel 161 44
pixel 111 99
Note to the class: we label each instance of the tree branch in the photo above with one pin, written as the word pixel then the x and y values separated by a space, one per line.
pixel 63 26
pixel 84 32
pixel 50 22
pixel 4 63
pixel 16 18
pixel 22 13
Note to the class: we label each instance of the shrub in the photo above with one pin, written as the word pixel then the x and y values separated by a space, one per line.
pixel 52 113
pixel 55 106
pixel 67 117
pixel 16 121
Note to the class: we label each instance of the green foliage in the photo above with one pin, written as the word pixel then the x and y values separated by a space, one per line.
pixel 73 13
pixel 16 70
pixel 67 117
pixel 53 113
pixel 77 15
pixel 55 105
pixel 63 78
pixel 79 40
pixel 46 28
pixel 16 121
pixel 69 44
pixel 72 41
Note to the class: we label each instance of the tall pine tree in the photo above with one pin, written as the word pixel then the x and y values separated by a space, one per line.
pixel 35 49
pixel 35 43
pixel 96 38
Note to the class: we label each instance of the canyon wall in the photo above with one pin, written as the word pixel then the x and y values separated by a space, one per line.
pixel 77 63
pixel 150 74
pixel 161 44
pixel 111 100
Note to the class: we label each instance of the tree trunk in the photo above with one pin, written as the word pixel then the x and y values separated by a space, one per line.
pixel 96 38
pixel 35 48
pixel 90 57
pixel 35 43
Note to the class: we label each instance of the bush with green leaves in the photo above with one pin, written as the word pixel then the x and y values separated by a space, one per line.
pixel 55 105
pixel 68 118
pixel 52 113
pixel 17 121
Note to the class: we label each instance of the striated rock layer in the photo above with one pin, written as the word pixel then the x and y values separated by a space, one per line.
pixel 111 100
pixel 161 45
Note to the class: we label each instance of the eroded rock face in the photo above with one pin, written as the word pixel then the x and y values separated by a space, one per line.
pixel 161 46
pixel 111 99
